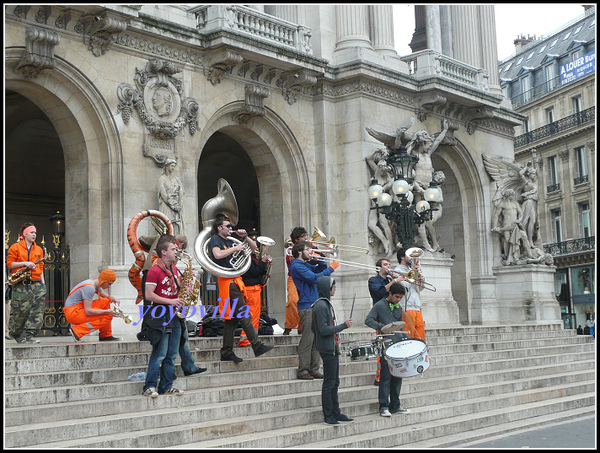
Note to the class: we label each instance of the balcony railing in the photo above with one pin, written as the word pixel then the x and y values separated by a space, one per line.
pixel 428 63
pixel 253 23
pixel 561 125
pixel 553 188
pixel 580 180
pixel 571 247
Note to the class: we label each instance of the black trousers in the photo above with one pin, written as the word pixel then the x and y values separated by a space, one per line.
pixel 232 324
pixel 331 383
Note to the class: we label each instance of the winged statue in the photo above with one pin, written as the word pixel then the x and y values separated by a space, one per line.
pixel 505 173
pixel 393 142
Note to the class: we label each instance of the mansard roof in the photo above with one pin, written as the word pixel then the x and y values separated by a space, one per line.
pixel 579 31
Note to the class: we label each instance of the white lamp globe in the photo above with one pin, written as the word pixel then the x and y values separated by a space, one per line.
pixel 422 206
pixel 385 199
pixel 400 187
pixel 375 191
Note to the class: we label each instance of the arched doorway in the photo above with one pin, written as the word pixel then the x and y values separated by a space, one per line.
pixel 223 157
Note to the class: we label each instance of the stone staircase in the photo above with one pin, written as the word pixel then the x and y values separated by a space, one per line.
pixel 482 381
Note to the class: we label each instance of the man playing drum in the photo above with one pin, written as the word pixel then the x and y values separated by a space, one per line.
pixel 384 312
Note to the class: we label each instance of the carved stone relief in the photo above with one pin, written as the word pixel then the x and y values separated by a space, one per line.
pixel 157 101
pixel 254 103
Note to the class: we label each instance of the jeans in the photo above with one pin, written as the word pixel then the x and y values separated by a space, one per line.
pixel 389 388
pixel 164 353
pixel 331 383
pixel 188 365
pixel 308 356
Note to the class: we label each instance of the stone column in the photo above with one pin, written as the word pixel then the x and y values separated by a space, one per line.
pixel 489 47
pixel 446 30
pixel 352 24
pixel 433 28
pixel 419 37
pixel 465 34
pixel 382 29
pixel 291 13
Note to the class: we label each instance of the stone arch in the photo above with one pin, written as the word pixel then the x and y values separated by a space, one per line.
pixel 464 207
pixel 93 159
pixel 283 179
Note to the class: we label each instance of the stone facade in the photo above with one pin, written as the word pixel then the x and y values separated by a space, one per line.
pixel 295 88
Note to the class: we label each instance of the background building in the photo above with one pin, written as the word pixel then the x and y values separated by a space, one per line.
pixel 552 81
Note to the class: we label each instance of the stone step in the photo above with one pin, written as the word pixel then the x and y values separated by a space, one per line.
pixel 266 411
pixel 375 431
pixel 419 432
pixel 132 359
pixel 471 438
pixel 441 366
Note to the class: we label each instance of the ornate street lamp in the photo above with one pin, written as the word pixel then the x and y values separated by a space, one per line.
pixel 58 228
pixel 401 210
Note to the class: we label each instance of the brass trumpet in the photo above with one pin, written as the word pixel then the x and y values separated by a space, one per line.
pixel 125 317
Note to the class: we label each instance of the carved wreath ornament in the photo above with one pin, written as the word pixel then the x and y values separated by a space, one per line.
pixel 157 100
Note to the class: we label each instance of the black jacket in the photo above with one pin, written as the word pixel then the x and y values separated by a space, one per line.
pixel 323 319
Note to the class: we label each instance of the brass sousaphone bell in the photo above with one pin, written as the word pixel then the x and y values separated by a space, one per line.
pixel 222 203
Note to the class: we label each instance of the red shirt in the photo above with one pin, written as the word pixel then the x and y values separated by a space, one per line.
pixel 156 276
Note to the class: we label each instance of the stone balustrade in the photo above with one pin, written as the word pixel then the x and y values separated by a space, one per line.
pixel 248 21
pixel 429 63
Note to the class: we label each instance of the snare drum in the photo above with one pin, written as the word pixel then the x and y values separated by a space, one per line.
pixel 363 352
pixel 407 358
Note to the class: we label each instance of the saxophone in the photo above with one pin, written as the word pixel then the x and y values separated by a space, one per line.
pixel 24 273
pixel 190 286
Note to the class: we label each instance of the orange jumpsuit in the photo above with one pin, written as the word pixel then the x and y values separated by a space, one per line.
pixel 292 319
pixel 84 324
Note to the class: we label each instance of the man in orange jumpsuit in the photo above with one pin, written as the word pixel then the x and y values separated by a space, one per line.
pixel 292 319
pixel 87 314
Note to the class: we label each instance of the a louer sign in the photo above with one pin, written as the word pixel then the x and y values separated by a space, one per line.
pixel 578 68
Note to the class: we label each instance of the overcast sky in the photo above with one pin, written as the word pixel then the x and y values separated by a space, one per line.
pixel 511 20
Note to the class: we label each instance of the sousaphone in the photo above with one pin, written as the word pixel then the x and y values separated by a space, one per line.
pixel 223 203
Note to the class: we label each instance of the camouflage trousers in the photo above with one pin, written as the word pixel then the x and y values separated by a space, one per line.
pixel 27 309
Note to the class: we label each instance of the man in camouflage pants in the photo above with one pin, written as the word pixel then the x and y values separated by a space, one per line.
pixel 28 295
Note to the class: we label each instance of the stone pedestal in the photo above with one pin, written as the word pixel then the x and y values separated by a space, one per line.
pixel 525 293
pixel 438 307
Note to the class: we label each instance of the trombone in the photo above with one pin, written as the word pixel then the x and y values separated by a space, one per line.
pixel 319 237
pixel 412 276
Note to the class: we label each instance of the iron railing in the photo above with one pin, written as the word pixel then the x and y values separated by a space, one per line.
pixel 571 247
pixel 577 119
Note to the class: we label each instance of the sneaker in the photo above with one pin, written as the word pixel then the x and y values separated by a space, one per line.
pixel 109 339
pixel 20 339
pixel 173 391
pixel 287 331
pixel 263 348
pixel 402 411
pixel 344 418
pixel 151 392
pixel 385 413
pixel 31 340
pixel 76 338
pixel 231 357
pixel 331 421
pixel 198 371
pixel 317 375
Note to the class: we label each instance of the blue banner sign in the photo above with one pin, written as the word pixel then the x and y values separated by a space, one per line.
pixel 578 68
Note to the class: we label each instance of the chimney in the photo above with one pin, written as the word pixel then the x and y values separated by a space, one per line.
pixel 522 41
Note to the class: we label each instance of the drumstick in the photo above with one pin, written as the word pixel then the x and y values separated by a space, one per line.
pixel 352 309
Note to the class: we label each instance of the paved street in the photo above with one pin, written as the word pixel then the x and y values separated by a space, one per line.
pixel 580 433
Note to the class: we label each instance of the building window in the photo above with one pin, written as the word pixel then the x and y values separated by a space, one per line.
pixel 581 174
pixel 567 36
pixel 550 115
pixel 553 184
pixel 582 279
pixel 556 217
pixel 583 212
pixel 526 125
pixel 554 43
pixel 577 30
pixel 575 55
pixel 526 88
pixel 577 105
pixel 551 76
